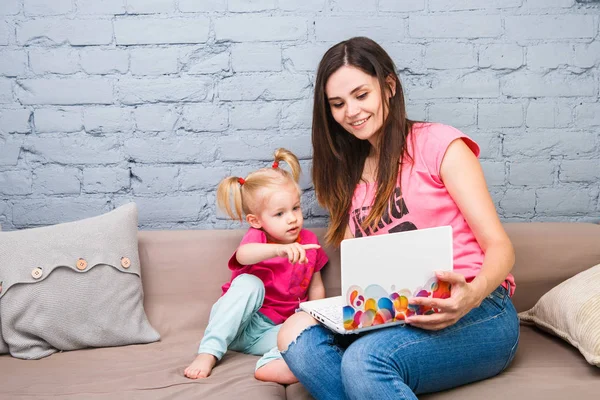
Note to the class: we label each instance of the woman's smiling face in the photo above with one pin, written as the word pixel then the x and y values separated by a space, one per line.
pixel 355 101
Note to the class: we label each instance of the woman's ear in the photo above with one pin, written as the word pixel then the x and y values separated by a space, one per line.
pixel 253 221
pixel 391 84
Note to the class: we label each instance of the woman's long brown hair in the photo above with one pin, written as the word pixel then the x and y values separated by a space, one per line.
pixel 338 156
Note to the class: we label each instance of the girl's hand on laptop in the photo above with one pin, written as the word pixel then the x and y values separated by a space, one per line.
pixel 295 252
pixel 463 298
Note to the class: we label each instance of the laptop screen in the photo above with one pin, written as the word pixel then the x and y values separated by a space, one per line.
pixel 381 272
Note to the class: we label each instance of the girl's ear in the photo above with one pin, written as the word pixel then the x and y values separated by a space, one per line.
pixel 253 221
pixel 391 84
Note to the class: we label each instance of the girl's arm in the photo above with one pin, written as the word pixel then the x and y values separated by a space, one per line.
pixel 463 177
pixel 316 289
pixel 252 253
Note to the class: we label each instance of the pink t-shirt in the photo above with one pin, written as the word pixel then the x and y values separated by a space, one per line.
pixel 424 201
pixel 286 284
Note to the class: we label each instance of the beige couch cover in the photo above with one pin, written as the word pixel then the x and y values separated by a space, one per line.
pixel 182 274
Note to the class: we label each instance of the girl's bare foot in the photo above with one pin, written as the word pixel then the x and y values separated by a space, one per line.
pixel 201 366
pixel 275 371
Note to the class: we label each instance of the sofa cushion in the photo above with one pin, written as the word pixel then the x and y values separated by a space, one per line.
pixel 571 311
pixel 136 372
pixel 72 286
pixel 544 367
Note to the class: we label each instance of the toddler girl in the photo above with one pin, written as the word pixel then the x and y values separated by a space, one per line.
pixel 275 268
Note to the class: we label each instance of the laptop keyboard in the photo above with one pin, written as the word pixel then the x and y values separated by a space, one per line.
pixel 332 312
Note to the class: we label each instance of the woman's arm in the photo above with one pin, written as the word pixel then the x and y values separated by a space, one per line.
pixel 316 289
pixel 463 177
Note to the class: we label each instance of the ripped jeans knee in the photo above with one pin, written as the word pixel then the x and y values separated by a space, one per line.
pixel 293 342
pixel 292 328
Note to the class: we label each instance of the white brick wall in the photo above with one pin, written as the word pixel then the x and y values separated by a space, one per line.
pixel 154 30
pixel 108 101
pixel 58 31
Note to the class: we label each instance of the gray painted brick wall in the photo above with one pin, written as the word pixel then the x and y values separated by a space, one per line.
pixel 155 101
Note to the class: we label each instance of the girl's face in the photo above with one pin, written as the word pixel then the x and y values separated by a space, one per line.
pixel 281 216
pixel 355 101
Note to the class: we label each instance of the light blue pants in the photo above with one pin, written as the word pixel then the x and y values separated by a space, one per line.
pixel 401 362
pixel 236 324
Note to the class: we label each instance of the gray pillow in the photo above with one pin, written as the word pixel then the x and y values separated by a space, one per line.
pixel 72 286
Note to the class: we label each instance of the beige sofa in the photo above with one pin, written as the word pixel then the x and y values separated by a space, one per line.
pixel 182 275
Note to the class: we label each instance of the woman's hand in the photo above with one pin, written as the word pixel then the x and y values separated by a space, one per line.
pixel 463 298
pixel 295 252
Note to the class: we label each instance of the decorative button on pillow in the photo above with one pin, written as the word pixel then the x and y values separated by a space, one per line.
pixel 72 286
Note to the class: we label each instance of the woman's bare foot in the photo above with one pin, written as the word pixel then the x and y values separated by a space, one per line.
pixel 201 366
pixel 275 371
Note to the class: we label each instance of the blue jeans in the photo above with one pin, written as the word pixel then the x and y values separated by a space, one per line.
pixel 236 324
pixel 402 361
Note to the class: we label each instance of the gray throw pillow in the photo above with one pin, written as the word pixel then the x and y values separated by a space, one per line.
pixel 71 286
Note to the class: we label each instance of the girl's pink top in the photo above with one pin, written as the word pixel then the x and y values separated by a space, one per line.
pixel 286 284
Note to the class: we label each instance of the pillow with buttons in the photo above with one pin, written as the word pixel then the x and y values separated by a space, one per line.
pixel 71 286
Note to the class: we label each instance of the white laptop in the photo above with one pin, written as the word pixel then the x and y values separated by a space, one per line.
pixel 380 273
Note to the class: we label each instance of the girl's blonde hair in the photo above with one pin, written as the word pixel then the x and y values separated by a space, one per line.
pixel 247 194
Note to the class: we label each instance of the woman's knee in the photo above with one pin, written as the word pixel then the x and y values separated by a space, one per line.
pixel 292 328
pixel 363 363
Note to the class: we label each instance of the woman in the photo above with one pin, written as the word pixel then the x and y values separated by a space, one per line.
pixel 376 172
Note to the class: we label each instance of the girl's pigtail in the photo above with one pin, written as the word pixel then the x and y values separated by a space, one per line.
pixel 291 160
pixel 230 191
